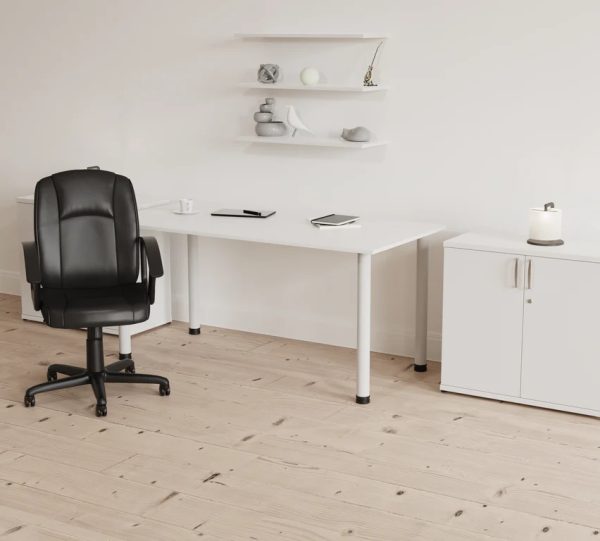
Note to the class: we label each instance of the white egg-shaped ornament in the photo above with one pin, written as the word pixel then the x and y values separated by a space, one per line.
pixel 310 76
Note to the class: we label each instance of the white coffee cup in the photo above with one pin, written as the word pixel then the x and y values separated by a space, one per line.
pixel 186 206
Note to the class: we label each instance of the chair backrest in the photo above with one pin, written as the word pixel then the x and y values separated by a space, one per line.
pixel 86 229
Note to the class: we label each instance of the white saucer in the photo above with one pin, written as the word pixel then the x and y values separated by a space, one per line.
pixel 179 212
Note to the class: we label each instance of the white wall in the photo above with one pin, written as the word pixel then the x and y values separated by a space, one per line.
pixel 493 109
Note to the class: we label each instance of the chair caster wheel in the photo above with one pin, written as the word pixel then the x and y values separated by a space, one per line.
pixel 101 410
pixel 130 370
pixel 164 390
pixel 52 376
pixel 29 401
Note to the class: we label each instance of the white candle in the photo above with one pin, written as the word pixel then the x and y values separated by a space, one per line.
pixel 545 223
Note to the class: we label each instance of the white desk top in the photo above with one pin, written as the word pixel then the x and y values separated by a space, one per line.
pixel 575 250
pixel 289 228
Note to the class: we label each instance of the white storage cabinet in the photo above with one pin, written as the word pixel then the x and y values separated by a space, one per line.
pixel 522 323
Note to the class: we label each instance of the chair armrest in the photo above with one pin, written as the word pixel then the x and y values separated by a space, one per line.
pixel 151 254
pixel 32 263
pixel 33 273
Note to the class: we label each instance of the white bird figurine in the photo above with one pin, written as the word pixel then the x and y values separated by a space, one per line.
pixel 294 121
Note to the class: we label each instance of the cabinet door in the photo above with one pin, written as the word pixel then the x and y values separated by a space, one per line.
pixel 483 321
pixel 561 333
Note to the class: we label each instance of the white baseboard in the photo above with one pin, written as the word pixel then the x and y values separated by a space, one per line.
pixel 336 333
pixel 402 343
pixel 399 342
pixel 10 282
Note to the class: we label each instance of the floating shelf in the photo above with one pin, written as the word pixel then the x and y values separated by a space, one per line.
pixel 315 88
pixel 312 36
pixel 333 142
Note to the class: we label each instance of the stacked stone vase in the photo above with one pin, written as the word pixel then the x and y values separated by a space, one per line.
pixel 265 125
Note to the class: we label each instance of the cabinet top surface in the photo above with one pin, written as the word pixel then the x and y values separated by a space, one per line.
pixel 577 250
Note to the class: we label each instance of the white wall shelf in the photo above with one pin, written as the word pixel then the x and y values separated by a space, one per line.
pixel 359 35
pixel 329 142
pixel 315 88
pixel 332 142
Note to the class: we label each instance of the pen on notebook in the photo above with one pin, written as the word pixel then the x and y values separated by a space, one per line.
pixel 252 212
pixel 322 217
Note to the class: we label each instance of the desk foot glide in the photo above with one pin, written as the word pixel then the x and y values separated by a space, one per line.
pixel 194 331
pixel 420 368
pixel 363 399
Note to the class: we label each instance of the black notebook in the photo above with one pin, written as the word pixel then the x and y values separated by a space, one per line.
pixel 240 213
pixel 334 219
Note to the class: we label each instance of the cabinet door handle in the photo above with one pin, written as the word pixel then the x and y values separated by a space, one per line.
pixel 517 273
pixel 529 275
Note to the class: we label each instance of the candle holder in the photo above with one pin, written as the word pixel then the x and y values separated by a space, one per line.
pixel 557 242
pixel 545 223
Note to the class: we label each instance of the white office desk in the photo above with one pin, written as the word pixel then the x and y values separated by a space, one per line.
pixel 293 229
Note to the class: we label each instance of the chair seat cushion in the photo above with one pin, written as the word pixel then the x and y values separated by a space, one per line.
pixel 97 307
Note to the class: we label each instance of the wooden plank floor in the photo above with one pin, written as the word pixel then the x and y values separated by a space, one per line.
pixel 260 440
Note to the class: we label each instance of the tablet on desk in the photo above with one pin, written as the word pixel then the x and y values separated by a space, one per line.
pixel 241 213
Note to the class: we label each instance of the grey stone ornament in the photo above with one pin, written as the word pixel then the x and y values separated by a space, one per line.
pixel 360 134
pixel 263 117
pixel 268 73
pixel 265 125
pixel 270 129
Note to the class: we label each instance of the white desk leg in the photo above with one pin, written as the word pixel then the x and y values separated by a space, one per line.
pixel 193 293
pixel 421 308
pixel 124 342
pixel 363 347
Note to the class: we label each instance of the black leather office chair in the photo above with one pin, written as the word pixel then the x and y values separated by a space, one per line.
pixel 83 268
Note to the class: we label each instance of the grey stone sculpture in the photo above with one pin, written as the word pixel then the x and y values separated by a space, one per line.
pixel 360 134
pixel 268 73
pixel 263 117
pixel 266 108
pixel 265 125
pixel 275 128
